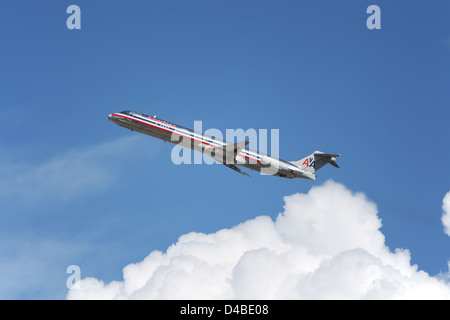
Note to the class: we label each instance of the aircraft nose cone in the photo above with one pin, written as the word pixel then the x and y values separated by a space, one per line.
pixel 112 117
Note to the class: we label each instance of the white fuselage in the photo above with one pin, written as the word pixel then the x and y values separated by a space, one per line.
pixel 185 137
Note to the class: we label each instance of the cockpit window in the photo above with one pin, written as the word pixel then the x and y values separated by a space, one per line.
pixel 126 112
pixel 141 114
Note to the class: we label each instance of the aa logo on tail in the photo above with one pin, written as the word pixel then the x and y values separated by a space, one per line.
pixel 309 162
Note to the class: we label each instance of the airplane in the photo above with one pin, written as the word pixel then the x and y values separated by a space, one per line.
pixel 231 155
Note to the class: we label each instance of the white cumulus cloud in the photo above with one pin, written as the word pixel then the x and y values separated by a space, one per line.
pixel 446 214
pixel 326 244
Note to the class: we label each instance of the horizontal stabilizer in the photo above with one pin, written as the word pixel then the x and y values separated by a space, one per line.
pixel 327 158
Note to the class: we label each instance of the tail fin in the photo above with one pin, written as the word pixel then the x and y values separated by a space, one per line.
pixel 316 160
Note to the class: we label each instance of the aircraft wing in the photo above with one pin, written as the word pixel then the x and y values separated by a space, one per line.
pixel 226 154
pixel 232 166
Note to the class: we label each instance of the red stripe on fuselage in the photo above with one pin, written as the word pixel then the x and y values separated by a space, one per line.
pixel 179 134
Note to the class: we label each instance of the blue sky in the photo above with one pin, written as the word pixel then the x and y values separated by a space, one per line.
pixel 76 189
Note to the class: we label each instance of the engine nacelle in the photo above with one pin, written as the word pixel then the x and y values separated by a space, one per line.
pixel 265 160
